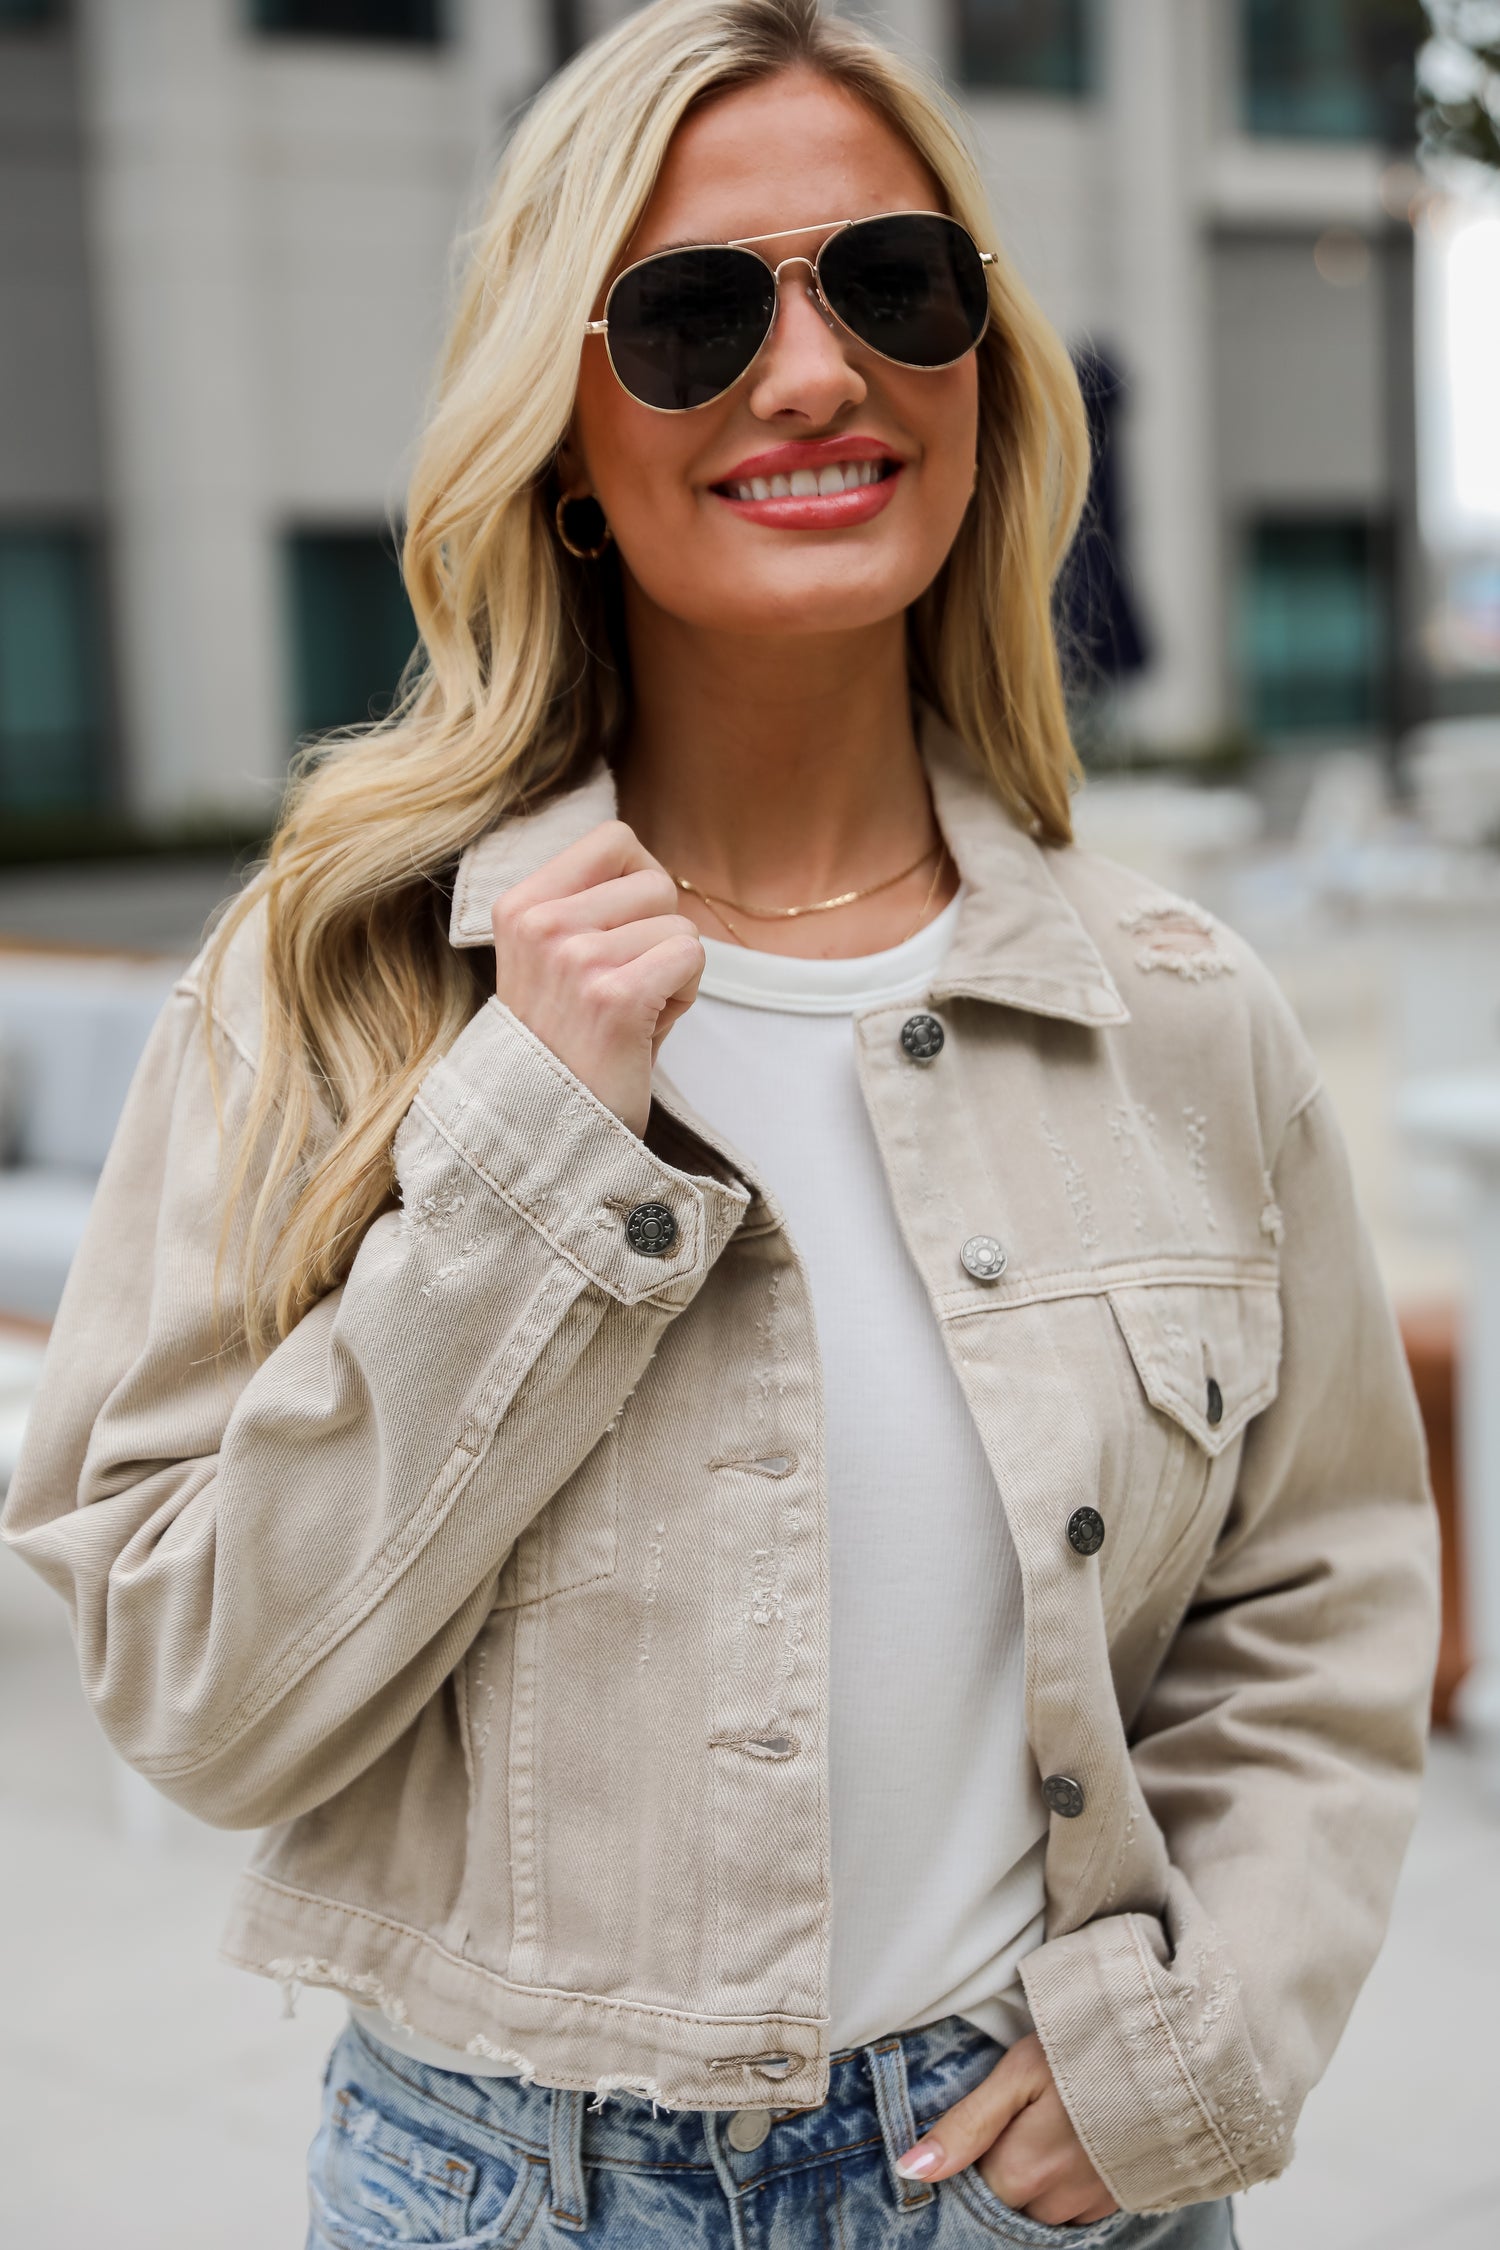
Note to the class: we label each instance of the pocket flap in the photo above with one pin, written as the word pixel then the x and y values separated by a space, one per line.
pixel 1207 1354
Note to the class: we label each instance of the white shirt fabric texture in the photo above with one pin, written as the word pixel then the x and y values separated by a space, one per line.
pixel 938 1828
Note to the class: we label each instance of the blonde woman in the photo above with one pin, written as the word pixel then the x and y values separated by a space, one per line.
pixel 832 1640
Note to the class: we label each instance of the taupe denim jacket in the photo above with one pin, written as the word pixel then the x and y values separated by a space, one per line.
pixel 498 1593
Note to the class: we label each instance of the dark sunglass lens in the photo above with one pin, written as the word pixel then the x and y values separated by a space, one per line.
pixel 683 327
pixel 912 287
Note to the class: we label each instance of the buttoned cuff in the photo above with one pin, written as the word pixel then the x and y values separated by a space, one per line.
pixel 547 1145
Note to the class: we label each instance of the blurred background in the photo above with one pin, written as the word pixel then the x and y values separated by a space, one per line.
pixel 1269 231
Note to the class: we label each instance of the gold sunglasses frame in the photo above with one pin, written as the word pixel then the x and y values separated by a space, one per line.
pixel 834 227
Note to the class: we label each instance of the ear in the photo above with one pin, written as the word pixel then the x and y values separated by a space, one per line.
pixel 572 471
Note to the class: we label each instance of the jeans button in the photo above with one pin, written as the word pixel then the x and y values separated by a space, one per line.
pixel 1063 1795
pixel 748 2128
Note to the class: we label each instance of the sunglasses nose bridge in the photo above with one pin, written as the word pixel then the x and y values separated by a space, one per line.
pixel 814 286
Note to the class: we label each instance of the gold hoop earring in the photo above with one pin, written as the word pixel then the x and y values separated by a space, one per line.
pixel 584 554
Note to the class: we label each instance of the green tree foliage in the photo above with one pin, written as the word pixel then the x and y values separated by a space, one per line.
pixel 1458 81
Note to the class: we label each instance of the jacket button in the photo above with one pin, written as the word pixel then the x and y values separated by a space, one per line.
pixel 1063 1795
pixel 1086 1531
pixel 1215 1401
pixel 748 2128
pixel 983 1257
pixel 651 1229
pixel 922 1037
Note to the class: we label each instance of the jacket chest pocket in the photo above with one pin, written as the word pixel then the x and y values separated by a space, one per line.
pixel 1206 1357
pixel 575 1538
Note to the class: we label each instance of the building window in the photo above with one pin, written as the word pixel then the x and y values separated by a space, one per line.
pixel 1026 46
pixel 52 748
pixel 1316 625
pixel 351 627
pixel 1331 70
pixel 410 23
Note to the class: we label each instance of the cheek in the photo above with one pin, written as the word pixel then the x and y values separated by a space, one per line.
pixel 636 461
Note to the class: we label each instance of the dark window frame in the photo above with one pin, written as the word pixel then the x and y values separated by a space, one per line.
pixel 1372 713
pixel 99 731
pixel 1374 34
pixel 1076 74
pixel 306 548
pixel 44 15
pixel 429 29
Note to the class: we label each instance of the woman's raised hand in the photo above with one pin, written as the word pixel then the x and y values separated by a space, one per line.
pixel 592 955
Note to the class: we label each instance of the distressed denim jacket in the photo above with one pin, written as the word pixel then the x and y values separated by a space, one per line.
pixel 452 1594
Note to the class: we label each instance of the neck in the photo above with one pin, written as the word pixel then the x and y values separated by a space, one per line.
pixel 780 772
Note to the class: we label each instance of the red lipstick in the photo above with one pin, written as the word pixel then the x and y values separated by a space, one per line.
pixel 811 511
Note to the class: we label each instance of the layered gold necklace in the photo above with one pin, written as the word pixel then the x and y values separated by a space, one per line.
pixel 718 900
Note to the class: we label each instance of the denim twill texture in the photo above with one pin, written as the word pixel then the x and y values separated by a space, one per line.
pixel 482 1593
pixel 405 2153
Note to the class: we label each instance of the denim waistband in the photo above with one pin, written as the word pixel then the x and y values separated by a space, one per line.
pixel 888 2090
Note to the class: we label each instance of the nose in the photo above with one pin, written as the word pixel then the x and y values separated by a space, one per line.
pixel 804 369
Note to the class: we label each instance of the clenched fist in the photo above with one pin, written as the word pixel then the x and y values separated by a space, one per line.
pixel 592 955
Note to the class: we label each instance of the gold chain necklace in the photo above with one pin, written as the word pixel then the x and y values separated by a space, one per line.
pixel 718 901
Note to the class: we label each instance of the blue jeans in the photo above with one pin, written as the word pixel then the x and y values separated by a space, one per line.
pixel 407 2153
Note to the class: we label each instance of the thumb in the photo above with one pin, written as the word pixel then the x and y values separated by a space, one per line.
pixel 981 2116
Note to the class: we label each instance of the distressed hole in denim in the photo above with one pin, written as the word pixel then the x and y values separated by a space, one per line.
pixel 1178 935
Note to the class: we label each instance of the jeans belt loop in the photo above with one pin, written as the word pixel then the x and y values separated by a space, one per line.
pixel 897 2125
pixel 569 2199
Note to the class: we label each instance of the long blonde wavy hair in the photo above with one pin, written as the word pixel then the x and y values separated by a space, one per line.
pixel 521 675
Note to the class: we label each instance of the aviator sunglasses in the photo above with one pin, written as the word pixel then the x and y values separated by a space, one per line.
pixel 683 326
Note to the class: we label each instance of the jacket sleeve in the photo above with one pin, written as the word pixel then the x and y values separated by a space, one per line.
pixel 1279 1750
pixel 271 1567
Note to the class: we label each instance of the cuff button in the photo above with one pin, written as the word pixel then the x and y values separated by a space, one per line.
pixel 651 1229
pixel 1063 1795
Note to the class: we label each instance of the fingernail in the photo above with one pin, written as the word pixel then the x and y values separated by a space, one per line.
pixel 925 2157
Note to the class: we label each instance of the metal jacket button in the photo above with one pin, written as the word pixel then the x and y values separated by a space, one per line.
pixel 1215 1401
pixel 1063 1795
pixel 1086 1531
pixel 651 1229
pixel 922 1037
pixel 749 2127
pixel 983 1257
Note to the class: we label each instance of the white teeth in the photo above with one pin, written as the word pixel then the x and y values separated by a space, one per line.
pixel 809 484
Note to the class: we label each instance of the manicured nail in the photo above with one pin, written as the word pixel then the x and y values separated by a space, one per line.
pixel 919 2160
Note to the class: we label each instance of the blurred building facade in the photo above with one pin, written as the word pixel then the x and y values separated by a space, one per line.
pixel 224 266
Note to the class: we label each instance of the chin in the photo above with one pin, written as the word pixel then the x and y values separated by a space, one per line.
pixel 788 600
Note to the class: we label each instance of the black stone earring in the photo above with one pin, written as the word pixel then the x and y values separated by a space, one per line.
pixel 584 549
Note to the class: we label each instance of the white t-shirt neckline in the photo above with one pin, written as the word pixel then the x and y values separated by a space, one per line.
pixel 792 985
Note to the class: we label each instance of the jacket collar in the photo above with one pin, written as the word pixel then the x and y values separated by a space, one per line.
pixel 1017 942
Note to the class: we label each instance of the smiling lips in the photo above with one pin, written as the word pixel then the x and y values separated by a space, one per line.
pixel 812 485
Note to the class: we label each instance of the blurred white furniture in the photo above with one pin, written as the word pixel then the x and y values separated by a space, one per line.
pixel 71 1033
pixel 1168 830
pixel 1460 1114
pixel 1454 767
